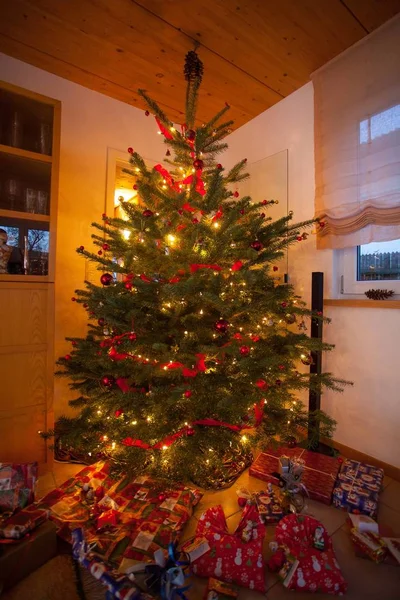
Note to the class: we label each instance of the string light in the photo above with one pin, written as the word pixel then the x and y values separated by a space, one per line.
pixel 244 438
pixel 171 238
pixel 134 423
pixel 216 225
pixel 113 446
pixel 165 447
pixel 126 234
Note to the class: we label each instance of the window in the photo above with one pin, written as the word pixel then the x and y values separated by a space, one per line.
pixel 370 266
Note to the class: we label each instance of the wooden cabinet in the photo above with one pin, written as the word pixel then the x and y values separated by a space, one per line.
pixel 29 164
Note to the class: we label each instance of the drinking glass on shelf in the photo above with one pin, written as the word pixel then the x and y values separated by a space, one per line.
pixel 16 130
pixel 42 202
pixel 45 135
pixel 30 200
pixel 12 194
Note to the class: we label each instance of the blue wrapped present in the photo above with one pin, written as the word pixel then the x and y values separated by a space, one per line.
pixel 357 488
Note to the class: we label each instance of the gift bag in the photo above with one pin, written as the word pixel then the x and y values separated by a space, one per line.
pixel 234 558
pixel 17 485
pixel 311 564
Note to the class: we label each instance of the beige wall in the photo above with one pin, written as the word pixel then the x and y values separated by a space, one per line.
pixel 368 414
pixel 90 123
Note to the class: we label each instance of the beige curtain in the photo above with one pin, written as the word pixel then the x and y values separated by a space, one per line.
pixel 357 142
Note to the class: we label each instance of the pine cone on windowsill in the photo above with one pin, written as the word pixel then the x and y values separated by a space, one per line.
pixel 379 294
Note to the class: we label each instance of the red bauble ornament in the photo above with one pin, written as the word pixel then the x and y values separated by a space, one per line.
pixel 99 492
pixel 195 220
pixel 261 384
pixel 67 357
pixel 299 238
pixel 81 248
pixel 168 153
pixel 180 211
pixel 221 326
pixel 241 211
pixel 256 245
pixel 190 431
pixel 191 134
pixel 236 194
pixel 128 285
pixel 146 112
pixel 291 442
pixel 100 252
pixel 73 299
pixel 187 394
pixel 74 343
pixel 118 413
pixel 106 279
pixel 264 202
pixel 198 164
pixel 108 381
pixel 105 247
pixel 101 321
pixel 85 305
pixel 244 350
pixel 162 497
pixel 274 268
pixel 219 166
pixel 281 367
pixel 262 215
pixel 284 304
pixel 130 150
pixel 278 382
pixel 321 224
pixel 147 213
pixel 132 336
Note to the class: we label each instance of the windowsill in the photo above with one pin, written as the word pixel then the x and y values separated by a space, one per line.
pixel 352 303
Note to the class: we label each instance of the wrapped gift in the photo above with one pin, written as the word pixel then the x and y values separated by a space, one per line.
pixel 17 485
pixel 269 505
pixel 220 590
pixel 393 546
pixel 318 476
pixel 196 548
pixel 357 488
pixel 22 522
pixel 233 557
pixel 118 585
pixel 310 564
pixel 370 544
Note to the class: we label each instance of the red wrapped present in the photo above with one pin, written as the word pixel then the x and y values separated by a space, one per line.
pixel 17 485
pixel 234 558
pixel 22 522
pixel 311 564
pixel 319 475
pixel 370 544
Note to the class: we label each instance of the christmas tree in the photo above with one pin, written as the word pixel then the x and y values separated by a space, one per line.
pixel 193 344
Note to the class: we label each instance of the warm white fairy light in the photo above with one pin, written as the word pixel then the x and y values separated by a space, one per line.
pixel 165 447
pixel 113 446
pixel 134 423
pixel 216 225
pixel 126 234
pixel 244 438
pixel 171 238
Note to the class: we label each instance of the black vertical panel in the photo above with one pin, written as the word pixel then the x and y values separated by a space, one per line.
pixel 317 298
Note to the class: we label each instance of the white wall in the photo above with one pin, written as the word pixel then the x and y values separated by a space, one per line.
pixel 368 414
pixel 90 123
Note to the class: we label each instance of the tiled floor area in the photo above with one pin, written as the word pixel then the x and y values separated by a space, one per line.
pixel 366 580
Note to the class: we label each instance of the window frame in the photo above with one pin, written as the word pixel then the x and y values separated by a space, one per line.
pixel 347 284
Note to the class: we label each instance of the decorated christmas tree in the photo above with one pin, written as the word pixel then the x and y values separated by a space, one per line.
pixel 195 347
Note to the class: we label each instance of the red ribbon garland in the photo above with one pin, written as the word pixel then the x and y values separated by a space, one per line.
pixel 164 130
pixel 168 441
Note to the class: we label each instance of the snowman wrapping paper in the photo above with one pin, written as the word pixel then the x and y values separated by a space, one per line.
pixel 233 557
pixel 306 541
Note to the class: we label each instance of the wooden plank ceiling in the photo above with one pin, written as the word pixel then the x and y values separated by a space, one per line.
pixel 255 52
